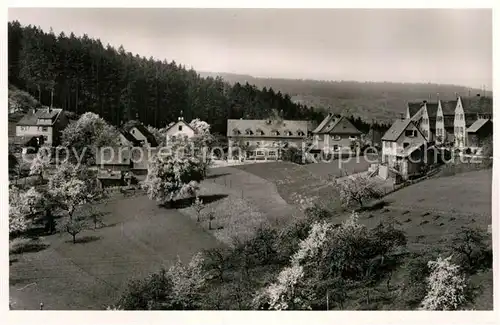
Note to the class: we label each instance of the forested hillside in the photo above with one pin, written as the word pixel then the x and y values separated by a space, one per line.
pixel 370 100
pixel 81 74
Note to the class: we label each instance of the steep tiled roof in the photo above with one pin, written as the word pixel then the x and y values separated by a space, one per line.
pixel 115 156
pixel 470 118
pixel 342 126
pixel 414 108
pixel 266 127
pixel 182 121
pixel 323 123
pixel 396 129
pixel 448 107
pixel 31 119
pixel 477 104
pixel 448 121
pixel 432 123
pixel 432 109
pixel 130 138
pixel 149 136
pixel 477 125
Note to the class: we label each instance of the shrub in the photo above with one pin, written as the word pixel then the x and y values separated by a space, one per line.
pixel 471 251
pixel 446 286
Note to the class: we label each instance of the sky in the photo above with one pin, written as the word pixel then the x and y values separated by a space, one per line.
pixel 452 46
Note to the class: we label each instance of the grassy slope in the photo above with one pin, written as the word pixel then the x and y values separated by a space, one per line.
pixel 430 212
pixel 139 239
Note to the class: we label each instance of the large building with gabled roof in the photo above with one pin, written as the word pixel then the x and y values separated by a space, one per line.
pixel 264 138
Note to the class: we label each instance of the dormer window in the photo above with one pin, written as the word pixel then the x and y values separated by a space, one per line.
pixel 300 133
pixel 336 138
pixel 275 132
pixel 260 132
pixel 411 133
pixel 236 132
pixel 248 132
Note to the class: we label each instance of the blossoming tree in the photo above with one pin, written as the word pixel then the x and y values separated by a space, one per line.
pixel 171 176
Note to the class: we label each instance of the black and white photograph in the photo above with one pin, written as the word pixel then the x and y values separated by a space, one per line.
pixel 286 159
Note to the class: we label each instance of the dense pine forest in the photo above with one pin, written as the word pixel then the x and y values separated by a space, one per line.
pixel 81 74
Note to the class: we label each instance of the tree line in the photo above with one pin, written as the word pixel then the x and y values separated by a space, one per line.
pixel 81 74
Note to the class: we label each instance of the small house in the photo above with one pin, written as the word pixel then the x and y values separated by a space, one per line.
pixel 180 129
pixel 335 133
pixel 46 122
pixel 402 143
pixel 139 133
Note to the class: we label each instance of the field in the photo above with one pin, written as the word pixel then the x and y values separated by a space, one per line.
pixel 139 238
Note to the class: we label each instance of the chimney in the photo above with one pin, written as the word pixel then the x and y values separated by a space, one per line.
pixel 478 95
pixel 402 116
pixel 181 118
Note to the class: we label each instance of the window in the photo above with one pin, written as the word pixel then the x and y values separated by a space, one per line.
pixel 409 133
pixel 439 119
pixel 257 143
pixel 335 147
pixel 352 138
pixel 248 143
pixel 405 145
pixel 45 138
pixel 133 131
pixel 260 153
pixel 272 153
pixel 45 129
pixel 336 138
pixel 180 127
pixel 461 129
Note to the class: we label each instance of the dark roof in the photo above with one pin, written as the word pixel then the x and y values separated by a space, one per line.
pixel 414 108
pixel 130 138
pixel 323 123
pixel 432 122
pixel 432 109
pixel 449 121
pixel 470 118
pixel 149 136
pixel 342 126
pixel 477 125
pixel 31 119
pixel 396 129
pixel 115 156
pixel 448 107
pixel 477 104
pixel 263 125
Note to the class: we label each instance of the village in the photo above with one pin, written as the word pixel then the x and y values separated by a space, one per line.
pixel 138 183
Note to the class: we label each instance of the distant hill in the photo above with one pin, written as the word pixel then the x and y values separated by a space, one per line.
pixel 382 101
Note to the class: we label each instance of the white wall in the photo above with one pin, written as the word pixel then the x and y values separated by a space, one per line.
pixel 185 132
pixel 31 131
pixel 459 126
pixel 391 148
pixel 440 131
